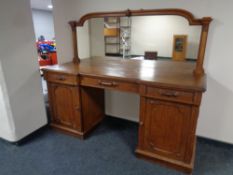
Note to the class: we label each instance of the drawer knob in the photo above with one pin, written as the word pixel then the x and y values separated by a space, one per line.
pixel 108 84
pixel 61 78
pixel 169 94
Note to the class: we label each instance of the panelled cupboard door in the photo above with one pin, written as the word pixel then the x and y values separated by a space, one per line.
pixel 65 105
pixel 166 126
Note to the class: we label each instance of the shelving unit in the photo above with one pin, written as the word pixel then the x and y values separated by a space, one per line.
pixel 112 36
pixel 114 28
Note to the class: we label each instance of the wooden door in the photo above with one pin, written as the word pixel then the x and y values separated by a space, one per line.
pixel 166 126
pixel 65 106
pixel 180 47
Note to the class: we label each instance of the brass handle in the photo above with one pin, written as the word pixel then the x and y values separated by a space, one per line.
pixel 108 84
pixel 169 94
pixel 141 123
pixel 77 108
pixel 152 146
pixel 61 78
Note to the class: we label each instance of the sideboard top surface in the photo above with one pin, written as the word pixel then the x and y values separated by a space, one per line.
pixel 158 73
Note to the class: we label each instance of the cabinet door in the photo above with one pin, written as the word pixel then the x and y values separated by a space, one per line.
pixel 65 105
pixel 166 126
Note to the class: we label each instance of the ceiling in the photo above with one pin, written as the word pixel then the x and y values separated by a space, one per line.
pixel 41 4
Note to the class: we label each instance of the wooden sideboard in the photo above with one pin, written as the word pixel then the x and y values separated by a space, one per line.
pixel 170 96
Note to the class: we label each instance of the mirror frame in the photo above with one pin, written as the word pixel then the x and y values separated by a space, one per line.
pixel 204 22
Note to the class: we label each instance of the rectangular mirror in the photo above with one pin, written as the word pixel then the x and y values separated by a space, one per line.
pixel 167 37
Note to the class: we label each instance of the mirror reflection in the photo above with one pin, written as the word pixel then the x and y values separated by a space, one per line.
pixel 165 37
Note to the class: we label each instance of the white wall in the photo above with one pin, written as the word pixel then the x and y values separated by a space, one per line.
pixel 83 41
pixel 215 120
pixel 150 33
pixel 155 33
pixel 97 37
pixel 63 13
pixel 23 106
pixel 7 128
pixel 43 24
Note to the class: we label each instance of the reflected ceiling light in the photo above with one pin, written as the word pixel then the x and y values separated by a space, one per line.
pixel 50 6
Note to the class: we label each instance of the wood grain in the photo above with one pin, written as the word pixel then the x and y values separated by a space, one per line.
pixel 170 97
pixel 178 75
pixel 65 106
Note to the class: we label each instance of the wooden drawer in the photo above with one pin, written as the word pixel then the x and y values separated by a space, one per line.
pixel 171 95
pixel 109 84
pixel 61 78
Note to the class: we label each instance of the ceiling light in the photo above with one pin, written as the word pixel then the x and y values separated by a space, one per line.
pixel 50 6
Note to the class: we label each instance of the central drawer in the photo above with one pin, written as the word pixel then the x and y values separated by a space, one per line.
pixel 109 84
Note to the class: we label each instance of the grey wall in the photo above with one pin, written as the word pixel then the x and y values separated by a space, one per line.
pixel 43 23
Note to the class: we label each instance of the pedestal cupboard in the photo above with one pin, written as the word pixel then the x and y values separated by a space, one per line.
pixel 169 103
